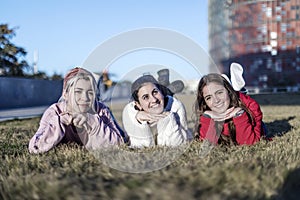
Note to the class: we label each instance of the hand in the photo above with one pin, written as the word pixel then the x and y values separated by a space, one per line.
pixel 150 118
pixel 229 113
pixel 79 120
pixel 66 118
pixel 238 111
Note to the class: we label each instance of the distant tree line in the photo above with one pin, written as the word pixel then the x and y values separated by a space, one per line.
pixel 12 58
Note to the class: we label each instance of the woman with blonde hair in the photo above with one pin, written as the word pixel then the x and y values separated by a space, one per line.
pixel 77 117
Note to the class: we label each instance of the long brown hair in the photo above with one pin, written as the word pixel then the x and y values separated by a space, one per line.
pixel 200 106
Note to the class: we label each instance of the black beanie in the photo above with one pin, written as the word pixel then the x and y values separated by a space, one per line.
pixel 140 81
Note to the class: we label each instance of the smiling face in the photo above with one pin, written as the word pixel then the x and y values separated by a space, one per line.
pixel 216 97
pixel 80 98
pixel 150 99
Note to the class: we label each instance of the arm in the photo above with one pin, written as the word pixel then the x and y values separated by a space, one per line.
pixel 247 132
pixel 187 134
pixel 50 131
pixel 208 130
pixel 173 129
pixel 140 133
pixel 169 131
pixel 102 129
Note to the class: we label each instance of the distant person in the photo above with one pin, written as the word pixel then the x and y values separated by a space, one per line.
pixel 154 118
pixel 77 117
pixel 106 80
pixel 227 116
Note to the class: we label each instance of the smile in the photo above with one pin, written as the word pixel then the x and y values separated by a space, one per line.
pixel 84 105
pixel 219 105
pixel 156 105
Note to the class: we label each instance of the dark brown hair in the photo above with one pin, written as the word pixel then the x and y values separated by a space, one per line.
pixel 201 106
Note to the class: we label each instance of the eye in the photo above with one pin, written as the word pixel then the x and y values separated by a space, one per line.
pixel 145 97
pixel 90 93
pixel 155 92
pixel 77 92
pixel 207 98
pixel 220 92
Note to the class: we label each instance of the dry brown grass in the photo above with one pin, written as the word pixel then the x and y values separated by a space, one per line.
pixel 267 170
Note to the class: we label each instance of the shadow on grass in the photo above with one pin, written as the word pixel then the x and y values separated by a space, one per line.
pixel 290 189
pixel 279 127
pixel 280 99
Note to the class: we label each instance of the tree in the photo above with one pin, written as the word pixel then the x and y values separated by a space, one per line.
pixel 56 76
pixel 12 61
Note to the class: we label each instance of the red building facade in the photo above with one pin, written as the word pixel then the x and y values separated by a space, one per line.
pixel 263 36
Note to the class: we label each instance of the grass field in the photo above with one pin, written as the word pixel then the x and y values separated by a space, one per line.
pixel 266 170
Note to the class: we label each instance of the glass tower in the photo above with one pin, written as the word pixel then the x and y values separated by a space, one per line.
pixel 263 36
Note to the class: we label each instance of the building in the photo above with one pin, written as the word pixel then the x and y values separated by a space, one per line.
pixel 263 36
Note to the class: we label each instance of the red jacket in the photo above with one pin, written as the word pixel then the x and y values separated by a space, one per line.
pixel 246 132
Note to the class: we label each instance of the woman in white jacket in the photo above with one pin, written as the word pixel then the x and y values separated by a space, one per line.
pixel 154 118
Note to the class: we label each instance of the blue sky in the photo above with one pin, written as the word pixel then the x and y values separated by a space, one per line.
pixel 65 32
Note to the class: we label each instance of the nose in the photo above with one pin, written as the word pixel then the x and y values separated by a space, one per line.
pixel 216 99
pixel 85 96
pixel 153 99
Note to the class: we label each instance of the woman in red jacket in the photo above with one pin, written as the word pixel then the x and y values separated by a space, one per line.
pixel 227 116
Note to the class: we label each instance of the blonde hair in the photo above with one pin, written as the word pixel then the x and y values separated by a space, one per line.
pixel 71 79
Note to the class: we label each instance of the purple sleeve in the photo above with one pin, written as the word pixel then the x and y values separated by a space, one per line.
pixel 49 133
pixel 103 129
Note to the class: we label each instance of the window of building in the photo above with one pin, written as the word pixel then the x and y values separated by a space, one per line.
pixel 278 8
pixel 266 48
pixel 290 34
pixel 278 66
pixel 263 7
pixel 297 7
pixel 263 78
pixel 274 52
pixel 264 29
pixel 269 12
pixel 269 63
pixel 273 35
pixel 278 18
pixel 273 43
pixel 283 27
pixel 297 49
